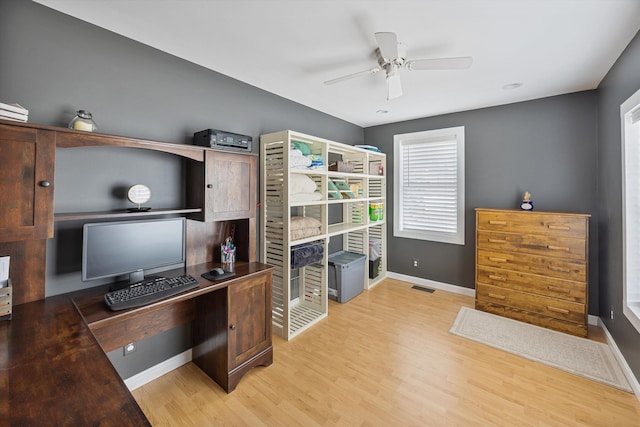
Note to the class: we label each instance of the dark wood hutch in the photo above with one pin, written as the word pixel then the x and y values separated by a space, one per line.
pixel 52 353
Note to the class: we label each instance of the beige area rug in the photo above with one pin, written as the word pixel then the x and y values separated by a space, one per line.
pixel 579 356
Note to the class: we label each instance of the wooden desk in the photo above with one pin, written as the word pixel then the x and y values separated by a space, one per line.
pixel 53 366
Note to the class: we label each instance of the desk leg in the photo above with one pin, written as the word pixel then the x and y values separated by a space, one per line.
pixel 210 336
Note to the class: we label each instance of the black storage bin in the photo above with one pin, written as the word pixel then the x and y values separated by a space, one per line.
pixel 374 268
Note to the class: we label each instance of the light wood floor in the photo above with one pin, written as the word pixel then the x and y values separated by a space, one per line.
pixel 386 358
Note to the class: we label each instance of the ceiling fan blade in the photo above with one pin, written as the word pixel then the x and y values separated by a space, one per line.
pixel 388 44
pixel 351 76
pixel 459 63
pixel 394 86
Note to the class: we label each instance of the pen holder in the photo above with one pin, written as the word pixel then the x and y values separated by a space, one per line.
pixel 227 257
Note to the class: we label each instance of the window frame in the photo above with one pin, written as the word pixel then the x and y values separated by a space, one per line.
pixel 456 133
pixel 630 306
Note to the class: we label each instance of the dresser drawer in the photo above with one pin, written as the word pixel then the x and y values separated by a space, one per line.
pixel 533 223
pixel 551 307
pixel 578 329
pixel 531 283
pixel 562 247
pixel 536 264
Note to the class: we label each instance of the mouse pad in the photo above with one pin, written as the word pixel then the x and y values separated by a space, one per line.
pixel 213 278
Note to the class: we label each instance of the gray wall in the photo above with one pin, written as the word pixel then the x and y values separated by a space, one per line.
pixel 53 65
pixel 545 146
pixel 622 81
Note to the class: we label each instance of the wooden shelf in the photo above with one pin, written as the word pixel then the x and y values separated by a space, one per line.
pixel 78 216
pixel 67 138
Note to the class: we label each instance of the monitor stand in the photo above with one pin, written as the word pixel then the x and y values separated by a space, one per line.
pixel 134 277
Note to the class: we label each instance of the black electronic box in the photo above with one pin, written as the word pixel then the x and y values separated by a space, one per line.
pixel 223 140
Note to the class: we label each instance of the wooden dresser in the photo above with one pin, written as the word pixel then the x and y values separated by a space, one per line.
pixel 532 266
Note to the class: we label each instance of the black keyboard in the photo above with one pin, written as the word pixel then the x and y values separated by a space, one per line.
pixel 148 291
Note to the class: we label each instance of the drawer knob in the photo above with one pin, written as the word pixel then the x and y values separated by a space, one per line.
pixel 495 222
pixel 494 277
pixel 492 295
pixel 497 241
pixel 497 259
pixel 209 185
pixel 232 327
pixel 44 183
pixel 558 227
pixel 556 289
pixel 557 310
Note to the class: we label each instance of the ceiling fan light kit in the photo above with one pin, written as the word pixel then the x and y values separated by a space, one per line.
pixel 392 56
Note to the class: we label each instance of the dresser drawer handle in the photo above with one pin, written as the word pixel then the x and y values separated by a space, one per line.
pixel 497 259
pixel 497 241
pixel 494 222
pixel 557 310
pixel 496 296
pixel 556 289
pixel 560 269
pixel 559 227
pixel 494 277
pixel 558 248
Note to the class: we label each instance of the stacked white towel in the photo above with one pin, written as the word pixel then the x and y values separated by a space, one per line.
pixel 298 160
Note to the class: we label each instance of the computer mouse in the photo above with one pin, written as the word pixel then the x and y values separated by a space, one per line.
pixel 217 271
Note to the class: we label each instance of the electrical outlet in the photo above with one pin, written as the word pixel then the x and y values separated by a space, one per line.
pixel 415 263
pixel 129 348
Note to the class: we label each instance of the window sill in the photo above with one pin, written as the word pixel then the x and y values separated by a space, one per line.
pixel 631 311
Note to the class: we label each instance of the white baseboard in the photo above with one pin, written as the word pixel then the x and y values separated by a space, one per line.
pixel 433 284
pixel 148 375
pixel 628 373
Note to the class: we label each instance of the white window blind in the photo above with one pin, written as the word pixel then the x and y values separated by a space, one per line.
pixel 630 118
pixel 429 185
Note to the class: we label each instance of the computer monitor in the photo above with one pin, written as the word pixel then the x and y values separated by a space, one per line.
pixel 112 249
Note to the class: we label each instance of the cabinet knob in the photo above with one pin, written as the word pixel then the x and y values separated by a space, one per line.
pixel 209 185
pixel 45 183
pixel 232 327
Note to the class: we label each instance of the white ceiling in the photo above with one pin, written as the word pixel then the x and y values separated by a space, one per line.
pixel 290 47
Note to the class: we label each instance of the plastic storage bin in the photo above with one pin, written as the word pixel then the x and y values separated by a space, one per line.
pixel 346 275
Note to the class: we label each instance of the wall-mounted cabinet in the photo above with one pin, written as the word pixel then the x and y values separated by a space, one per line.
pixel 26 175
pixel 225 188
pixel 298 189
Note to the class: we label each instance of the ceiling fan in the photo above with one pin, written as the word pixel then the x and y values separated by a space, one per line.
pixel 392 56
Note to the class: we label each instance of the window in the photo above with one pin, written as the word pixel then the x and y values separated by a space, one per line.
pixel 630 118
pixel 429 185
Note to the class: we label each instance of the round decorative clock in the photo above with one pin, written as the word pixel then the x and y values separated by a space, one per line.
pixel 139 194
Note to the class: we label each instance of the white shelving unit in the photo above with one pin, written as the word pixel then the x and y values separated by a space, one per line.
pixel 300 296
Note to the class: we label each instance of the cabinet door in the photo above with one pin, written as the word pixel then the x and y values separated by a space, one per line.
pixel 26 183
pixel 249 319
pixel 230 185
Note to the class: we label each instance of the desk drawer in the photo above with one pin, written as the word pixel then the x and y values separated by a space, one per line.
pixel 533 223
pixel 551 307
pixel 546 286
pixel 561 247
pixel 535 264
